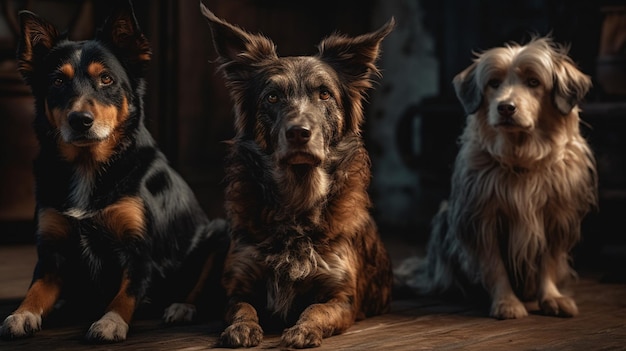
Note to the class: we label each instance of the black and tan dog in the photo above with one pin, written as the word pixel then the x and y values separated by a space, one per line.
pixel 305 252
pixel 113 218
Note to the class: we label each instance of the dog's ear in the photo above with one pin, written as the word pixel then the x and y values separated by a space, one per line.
pixel 354 59
pixel 467 89
pixel 570 84
pixel 122 33
pixel 37 38
pixel 237 49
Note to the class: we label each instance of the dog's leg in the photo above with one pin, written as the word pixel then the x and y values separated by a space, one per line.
pixel 243 326
pixel 39 300
pixel 185 312
pixel 113 326
pixel 504 303
pixel 319 321
pixel 551 301
pixel 52 232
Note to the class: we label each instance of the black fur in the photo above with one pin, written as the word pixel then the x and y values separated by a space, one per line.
pixel 113 218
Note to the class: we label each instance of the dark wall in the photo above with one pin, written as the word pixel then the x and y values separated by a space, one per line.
pixel 189 111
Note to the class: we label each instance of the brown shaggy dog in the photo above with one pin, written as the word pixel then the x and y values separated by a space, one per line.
pixel 305 249
pixel 523 180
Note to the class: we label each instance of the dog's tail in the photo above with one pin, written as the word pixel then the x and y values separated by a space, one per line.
pixel 429 274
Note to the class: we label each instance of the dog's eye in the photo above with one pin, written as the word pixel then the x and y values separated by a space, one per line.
pixel 106 79
pixel 57 82
pixel 494 83
pixel 324 95
pixel 533 82
pixel 272 98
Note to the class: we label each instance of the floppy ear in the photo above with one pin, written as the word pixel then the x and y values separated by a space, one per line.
pixel 37 38
pixel 122 33
pixel 237 49
pixel 354 59
pixel 570 85
pixel 467 89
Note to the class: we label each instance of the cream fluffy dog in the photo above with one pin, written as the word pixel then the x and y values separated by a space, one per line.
pixel 523 179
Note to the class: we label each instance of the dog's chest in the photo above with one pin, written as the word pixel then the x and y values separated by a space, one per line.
pixel 80 195
pixel 298 270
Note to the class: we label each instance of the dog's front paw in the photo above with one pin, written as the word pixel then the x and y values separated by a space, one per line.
pixel 110 328
pixel 560 306
pixel 242 334
pixel 178 313
pixel 19 325
pixel 508 308
pixel 300 337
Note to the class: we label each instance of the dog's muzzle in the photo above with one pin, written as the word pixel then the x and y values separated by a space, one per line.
pixel 298 135
pixel 299 146
pixel 508 118
pixel 82 129
pixel 80 121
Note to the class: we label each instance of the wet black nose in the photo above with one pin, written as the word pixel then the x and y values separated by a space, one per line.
pixel 506 109
pixel 298 135
pixel 80 121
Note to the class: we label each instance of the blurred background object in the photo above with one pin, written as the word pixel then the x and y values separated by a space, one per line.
pixel 412 120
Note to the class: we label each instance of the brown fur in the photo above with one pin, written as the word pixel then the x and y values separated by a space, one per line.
pixel 305 252
pixel 523 180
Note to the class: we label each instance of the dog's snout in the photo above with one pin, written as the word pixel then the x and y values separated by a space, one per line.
pixel 506 109
pixel 298 135
pixel 80 121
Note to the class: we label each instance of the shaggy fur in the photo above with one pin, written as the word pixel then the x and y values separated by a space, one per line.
pixel 523 180
pixel 113 218
pixel 304 249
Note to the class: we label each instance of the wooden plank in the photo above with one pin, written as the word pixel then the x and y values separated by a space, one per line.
pixel 413 324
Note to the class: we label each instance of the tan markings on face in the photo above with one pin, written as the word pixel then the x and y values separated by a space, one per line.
pixel 106 122
pixel 125 218
pixel 69 152
pixel 54 116
pixel 112 117
pixel 52 225
pixel 123 303
pixel 67 70
pixel 95 69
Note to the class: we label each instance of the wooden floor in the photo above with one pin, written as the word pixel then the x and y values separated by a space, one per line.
pixel 413 324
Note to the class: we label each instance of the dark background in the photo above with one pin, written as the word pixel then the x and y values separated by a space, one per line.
pixel 413 118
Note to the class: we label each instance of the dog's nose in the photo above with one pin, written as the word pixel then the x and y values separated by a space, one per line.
pixel 506 109
pixel 298 135
pixel 80 121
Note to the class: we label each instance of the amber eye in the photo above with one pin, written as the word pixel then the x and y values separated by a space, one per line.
pixel 533 82
pixel 324 95
pixel 494 83
pixel 106 79
pixel 272 98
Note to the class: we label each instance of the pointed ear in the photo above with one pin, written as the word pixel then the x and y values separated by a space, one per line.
pixel 122 33
pixel 570 85
pixel 355 58
pixel 237 49
pixel 467 89
pixel 37 38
